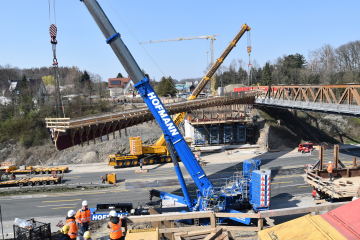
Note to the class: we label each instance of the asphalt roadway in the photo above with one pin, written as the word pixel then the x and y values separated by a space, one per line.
pixel 286 182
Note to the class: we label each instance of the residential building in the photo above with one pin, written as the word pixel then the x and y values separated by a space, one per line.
pixel 11 91
pixel 120 86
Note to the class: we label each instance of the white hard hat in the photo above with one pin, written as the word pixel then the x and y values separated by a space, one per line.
pixel 113 213
pixel 329 162
pixel 85 203
pixel 71 213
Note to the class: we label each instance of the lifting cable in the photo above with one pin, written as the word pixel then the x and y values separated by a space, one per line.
pixel 53 41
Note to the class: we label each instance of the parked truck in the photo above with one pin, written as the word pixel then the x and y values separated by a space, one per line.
pixel 10 167
pixel 5 180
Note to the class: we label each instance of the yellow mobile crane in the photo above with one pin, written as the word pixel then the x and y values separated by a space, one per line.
pixel 158 152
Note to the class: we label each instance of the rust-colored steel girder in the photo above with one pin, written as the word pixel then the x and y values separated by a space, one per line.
pixel 70 132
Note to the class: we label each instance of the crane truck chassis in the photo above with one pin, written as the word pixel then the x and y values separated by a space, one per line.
pixel 209 198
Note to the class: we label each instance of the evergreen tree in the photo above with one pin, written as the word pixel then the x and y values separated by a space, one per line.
pixel 84 77
pixel 23 83
pixel 119 75
pixel 166 86
pixel 170 87
pixel 266 76
pixel 160 86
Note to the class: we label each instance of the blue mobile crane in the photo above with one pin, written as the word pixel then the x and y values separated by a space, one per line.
pixel 251 186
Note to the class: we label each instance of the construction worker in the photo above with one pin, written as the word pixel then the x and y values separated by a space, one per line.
pixel 330 169
pixel 64 233
pixel 70 221
pixel 103 180
pixel 83 217
pixel 87 235
pixel 314 193
pixel 115 225
pixel 141 163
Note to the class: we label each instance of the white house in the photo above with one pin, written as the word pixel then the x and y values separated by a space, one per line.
pixel 11 91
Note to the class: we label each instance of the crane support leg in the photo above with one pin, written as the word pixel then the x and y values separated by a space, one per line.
pixel 179 175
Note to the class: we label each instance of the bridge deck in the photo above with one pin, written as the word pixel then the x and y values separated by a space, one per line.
pixel 69 132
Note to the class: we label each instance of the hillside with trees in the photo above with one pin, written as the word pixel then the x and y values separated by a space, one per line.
pixel 325 65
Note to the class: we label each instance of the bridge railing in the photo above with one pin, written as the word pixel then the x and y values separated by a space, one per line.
pixel 318 106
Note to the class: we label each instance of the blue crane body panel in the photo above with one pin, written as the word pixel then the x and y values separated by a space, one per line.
pixel 260 189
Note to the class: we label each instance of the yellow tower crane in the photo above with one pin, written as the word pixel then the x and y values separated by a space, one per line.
pixel 211 37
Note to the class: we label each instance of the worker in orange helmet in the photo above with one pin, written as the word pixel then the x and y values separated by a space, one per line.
pixel 115 225
pixel 330 169
pixel 314 193
pixel 70 221
pixel 83 217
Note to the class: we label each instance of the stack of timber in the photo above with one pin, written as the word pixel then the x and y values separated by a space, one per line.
pixel 207 234
pixel 338 188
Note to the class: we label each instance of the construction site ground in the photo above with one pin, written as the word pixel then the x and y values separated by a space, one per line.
pixel 287 189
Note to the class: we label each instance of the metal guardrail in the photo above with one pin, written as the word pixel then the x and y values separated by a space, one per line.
pixel 314 106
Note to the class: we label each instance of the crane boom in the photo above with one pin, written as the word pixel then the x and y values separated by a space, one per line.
pixel 180 116
pixel 174 140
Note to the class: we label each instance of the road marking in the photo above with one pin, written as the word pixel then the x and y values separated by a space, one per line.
pixel 289 176
pixel 304 186
pixel 175 186
pixel 73 194
pixel 281 182
pixel 154 175
pixel 64 207
pixel 63 200
pixel 120 191
pixel 57 205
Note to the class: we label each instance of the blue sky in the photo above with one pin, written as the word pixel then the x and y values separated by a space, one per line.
pixel 277 28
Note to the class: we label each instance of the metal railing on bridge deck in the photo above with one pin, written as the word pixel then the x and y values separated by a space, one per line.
pixel 337 98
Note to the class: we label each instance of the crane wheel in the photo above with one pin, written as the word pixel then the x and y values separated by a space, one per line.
pixel 151 161
pixel 44 182
pixel 135 162
pixel 37 183
pixel 120 164
pixel 29 183
pixel 146 161
pixel 127 163
pixel 162 160
pixel 51 182
pixel 21 184
pixel 168 159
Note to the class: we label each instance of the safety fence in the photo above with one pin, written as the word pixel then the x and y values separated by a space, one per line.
pixel 165 222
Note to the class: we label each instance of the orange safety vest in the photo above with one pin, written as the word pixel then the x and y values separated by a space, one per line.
pixel 73 231
pixel 314 192
pixel 330 168
pixel 115 230
pixel 83 216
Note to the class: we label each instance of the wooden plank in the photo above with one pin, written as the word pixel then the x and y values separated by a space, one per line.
pixel 170 216
pixel 175 230
pixel 299 210
pixel 241 215
pixel 214 234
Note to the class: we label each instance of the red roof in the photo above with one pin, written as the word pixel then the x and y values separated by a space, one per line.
pixel 346 219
